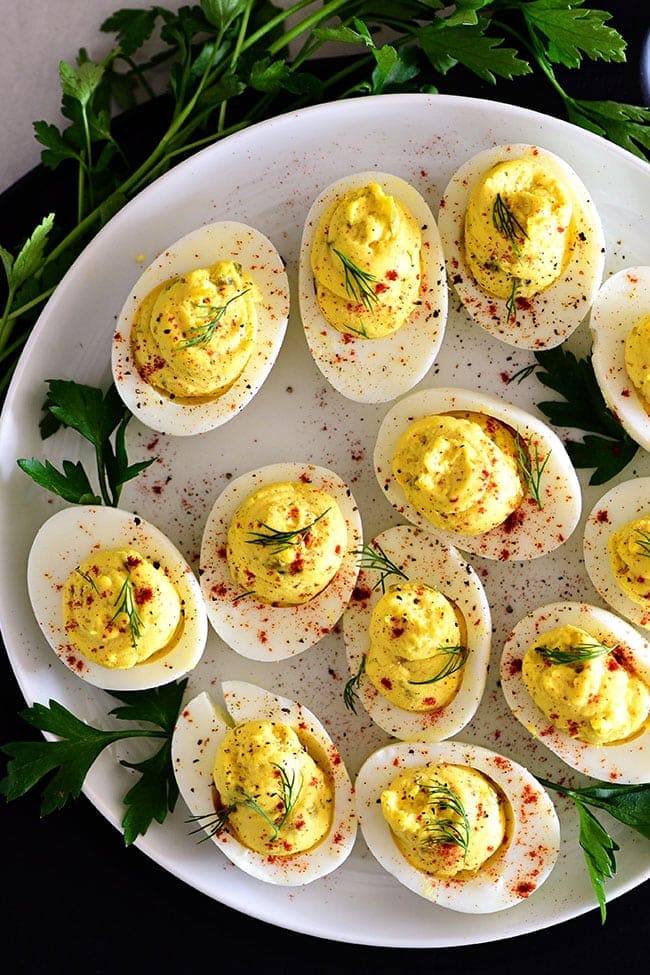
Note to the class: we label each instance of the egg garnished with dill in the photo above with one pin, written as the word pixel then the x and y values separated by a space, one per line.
pixel 264 780
pixel 481 473
pixel 524 244
pixel 372 286
pixel 460 825
pixel 115 598
pixel 201 329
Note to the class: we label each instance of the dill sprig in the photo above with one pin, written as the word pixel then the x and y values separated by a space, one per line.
pixel 372 556
pixel 282 540
pixel 213 314
pixel 531 468
pixel 511 302
pixel 449 830
pixel 87 578
pixel 358 282
pixel 506 223
pixel 643 541
pixel 456 656
pixel 577 654
pixel 350 696
pixel 214 823
pixel 125 603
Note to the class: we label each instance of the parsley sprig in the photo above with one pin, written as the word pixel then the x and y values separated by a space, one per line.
pixel 102 419
pixel 64 763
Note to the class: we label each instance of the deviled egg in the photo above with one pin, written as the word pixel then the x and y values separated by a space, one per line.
pixel 115 599
pixel 278 562
pixel 372 286
pixel 417 634
pixel 479 472
pixel 266 782
pixel 616 544
pixel 524 244
pixel 578 678
pixel 462 826
pixel 201 329
pixel 620 329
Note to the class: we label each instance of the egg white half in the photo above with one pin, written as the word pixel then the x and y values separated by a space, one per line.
pixel 251 628
pixel 377 370
pixel 547 319
pixel 514 872
pixel 423 558
pixel 201 727
pixel 620 302
pixel 69 537
pixel 534 531
pixel 225 240
pixel 625 502
pixel 626 763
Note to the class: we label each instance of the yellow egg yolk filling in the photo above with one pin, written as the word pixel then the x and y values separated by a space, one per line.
pixel 418 647
pixel 192 336
pixel 629 554
pixel 460 471
pixel 584 687
pixel 366 263
pixel 120 609
pixel 278 797
pixel 286 542
pixel 447 820
pixel 519 231
pixel 637 359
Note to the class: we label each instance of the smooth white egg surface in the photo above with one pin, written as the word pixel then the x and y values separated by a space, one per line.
pixel 513 872
pixel 546 319
pixel 625 762
pixel 537 526
pixel 379 369
pixel 203 247
pixel 262 631
pixel 624 503
pixel 199 731
pixel 419 557
pixel 622 300
pixel 63 542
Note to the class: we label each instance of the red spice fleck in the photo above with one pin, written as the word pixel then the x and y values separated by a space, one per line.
pixel 359 594
pixel 391 275
pixel 515 666
pixel 602 516
pixel 143 595
pixel 338 838
pixel 387 683
pixel 397 632
pixel 153 443
pixel 263 636
pixel 380 288
pixel 220 589
pixel 222 552
pixel 625 392
pixel 525 888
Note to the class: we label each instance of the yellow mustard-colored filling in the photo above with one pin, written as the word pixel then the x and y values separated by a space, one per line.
pixel 279 798
pixel 193 335
pixel 120 609
pixel 418 647
pixel 460 471
pixel 447 820
pixel 286 542
pixel 366 263
pixel 518 228
pixel 629 554
pixel 596 699
pixel 637 358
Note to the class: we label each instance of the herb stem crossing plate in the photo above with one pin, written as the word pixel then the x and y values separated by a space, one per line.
pixel 267 177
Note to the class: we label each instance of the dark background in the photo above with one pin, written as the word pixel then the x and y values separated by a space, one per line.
pixel 99 908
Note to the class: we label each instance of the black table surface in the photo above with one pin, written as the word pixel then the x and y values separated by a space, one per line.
pixel 74 899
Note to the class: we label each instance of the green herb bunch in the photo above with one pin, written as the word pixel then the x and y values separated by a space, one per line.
pixel 226 64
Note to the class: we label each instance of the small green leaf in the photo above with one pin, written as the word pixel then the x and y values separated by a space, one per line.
pixel 30 256
pixel 221 13
pixel 153 795
pixel 71 484
pixel 599 851
pixel 469 46
pixel 133 28
pixel 572 32
pixel 80 83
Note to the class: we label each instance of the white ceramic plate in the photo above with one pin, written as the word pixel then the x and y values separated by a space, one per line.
pixel 268 176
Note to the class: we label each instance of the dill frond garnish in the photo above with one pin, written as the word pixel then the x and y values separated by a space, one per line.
pixel 372 556
pixel 126 604
pixel 449 830
pixel 350 695
pixel 511 303
pixel 212 315
pixel 643 541
pixel 282 540
pixel 506 223
pixel 456 657
pixel 87 578
pixel 531 468
pixel 358 282
pixel 577 654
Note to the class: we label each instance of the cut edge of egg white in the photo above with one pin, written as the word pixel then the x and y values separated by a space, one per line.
pixel 548 318
pixel 534 531
pixel 201 727
pixel 70 536
pixel 627 501
pixel 377 370
pixel 512 874
pixel 260 631
pixel 423 558
pixel 622 300
pixel 223 240
pixel 626 763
